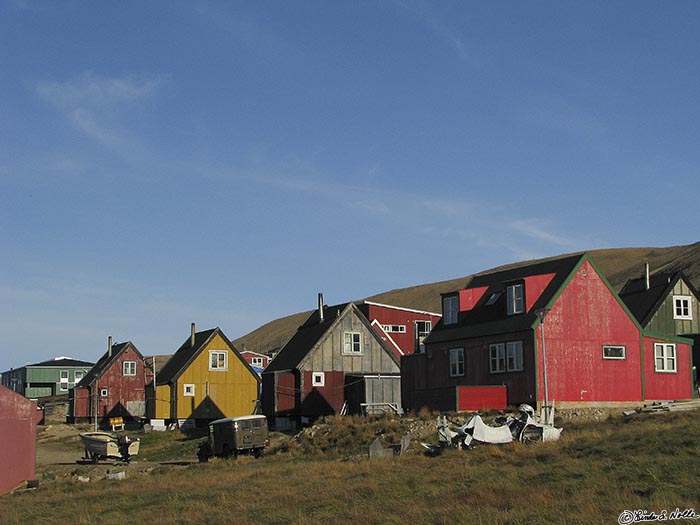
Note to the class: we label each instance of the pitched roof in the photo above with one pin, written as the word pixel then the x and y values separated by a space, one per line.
pixel 188 352
pixel 184 356
pixel 63 361
pixel 105 362
pixel 643 302
pixel 304 339
pixel 488 315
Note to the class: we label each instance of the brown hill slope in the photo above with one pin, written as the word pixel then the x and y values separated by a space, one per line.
pixel 617 264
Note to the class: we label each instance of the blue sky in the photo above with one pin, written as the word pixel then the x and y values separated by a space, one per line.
pixel 222 162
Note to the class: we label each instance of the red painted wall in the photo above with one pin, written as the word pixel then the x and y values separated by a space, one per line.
pixel 18 420
pixel 469 297
pixel 665 385
pixel 584 318
pixel 285 392
pixel 534 286
pixel 405 341
pixel 323 400
pixel 471 398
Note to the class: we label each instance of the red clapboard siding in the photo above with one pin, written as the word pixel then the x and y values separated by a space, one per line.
pixel 481 398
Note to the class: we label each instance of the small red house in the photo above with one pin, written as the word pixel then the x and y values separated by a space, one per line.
pixel 114 387
pixel 18 420
pixel 335 363
pixel 258 362
pixel 403 329
pixel 551 330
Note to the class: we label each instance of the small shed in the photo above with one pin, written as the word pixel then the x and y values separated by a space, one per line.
pixel 18 420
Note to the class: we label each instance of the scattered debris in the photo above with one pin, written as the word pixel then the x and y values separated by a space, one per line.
pixel 377 450
pixel 524 428
pixel 116 475
pixel 666 406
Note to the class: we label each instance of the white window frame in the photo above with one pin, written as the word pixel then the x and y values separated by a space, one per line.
pixel 450 309
pixel 609 348
pixel 665 358
pixel 456 362
pixel 318 379
pixel 129 368
pixel 64 375
pixel 188 390
pixel 420 335
pixel 683 307
pixel 515 294
pixel 352 343
pixel 514 356
pixel 257 361
pixel 394 328
pixel 104 392
pixel 497 358
pixel 77 377
pixel 214 364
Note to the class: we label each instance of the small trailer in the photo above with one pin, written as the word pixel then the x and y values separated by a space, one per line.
pixel 105 445
pixel 235 435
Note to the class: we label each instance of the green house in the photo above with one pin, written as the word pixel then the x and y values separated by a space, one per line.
pixel 48 378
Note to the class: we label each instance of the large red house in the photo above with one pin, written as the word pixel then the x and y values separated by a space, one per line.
pixel 551 330
pixel 114 387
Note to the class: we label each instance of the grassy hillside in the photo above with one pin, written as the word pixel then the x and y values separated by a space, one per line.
pixel 617 264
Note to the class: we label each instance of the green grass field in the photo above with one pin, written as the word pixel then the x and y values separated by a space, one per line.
pixel 595 472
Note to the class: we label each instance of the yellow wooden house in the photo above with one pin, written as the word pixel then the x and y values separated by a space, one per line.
pixel 205 379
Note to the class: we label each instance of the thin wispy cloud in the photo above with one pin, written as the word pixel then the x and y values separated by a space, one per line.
pixel 97 107
pixel 536 228
pixel 95 91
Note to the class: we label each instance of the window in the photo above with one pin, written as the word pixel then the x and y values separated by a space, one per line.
pixel 614 352
pixel 422 330
pixel 64 380
pixel 497 354
pixel 514 354
pixel 257 361
pixel 397 328
pixel 664 357
pixel 188 390
pixel 129 368
pixel 456 362
pixel 218 360
pixel 318 379
pixel 506 357
pixel 494 298
pixel 352 343
pixel 450 308
pixel 681 307
pixel 515 295
pixel 79 374
pixel 104 392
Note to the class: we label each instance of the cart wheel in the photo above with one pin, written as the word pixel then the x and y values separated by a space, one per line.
pixel 95 458
pixel 258 452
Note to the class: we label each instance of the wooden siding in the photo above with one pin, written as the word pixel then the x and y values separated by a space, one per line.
pixel 667 385
pixel 217 393
pixel 477 369
pixel 396 316
pixel 585 317
pixel 663 321
pixel 328 354
pixel 126 395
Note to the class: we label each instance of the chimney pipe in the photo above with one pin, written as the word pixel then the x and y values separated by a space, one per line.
pixel 646 276
pixel 109 346
pixel 192 336
pixel 320 306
